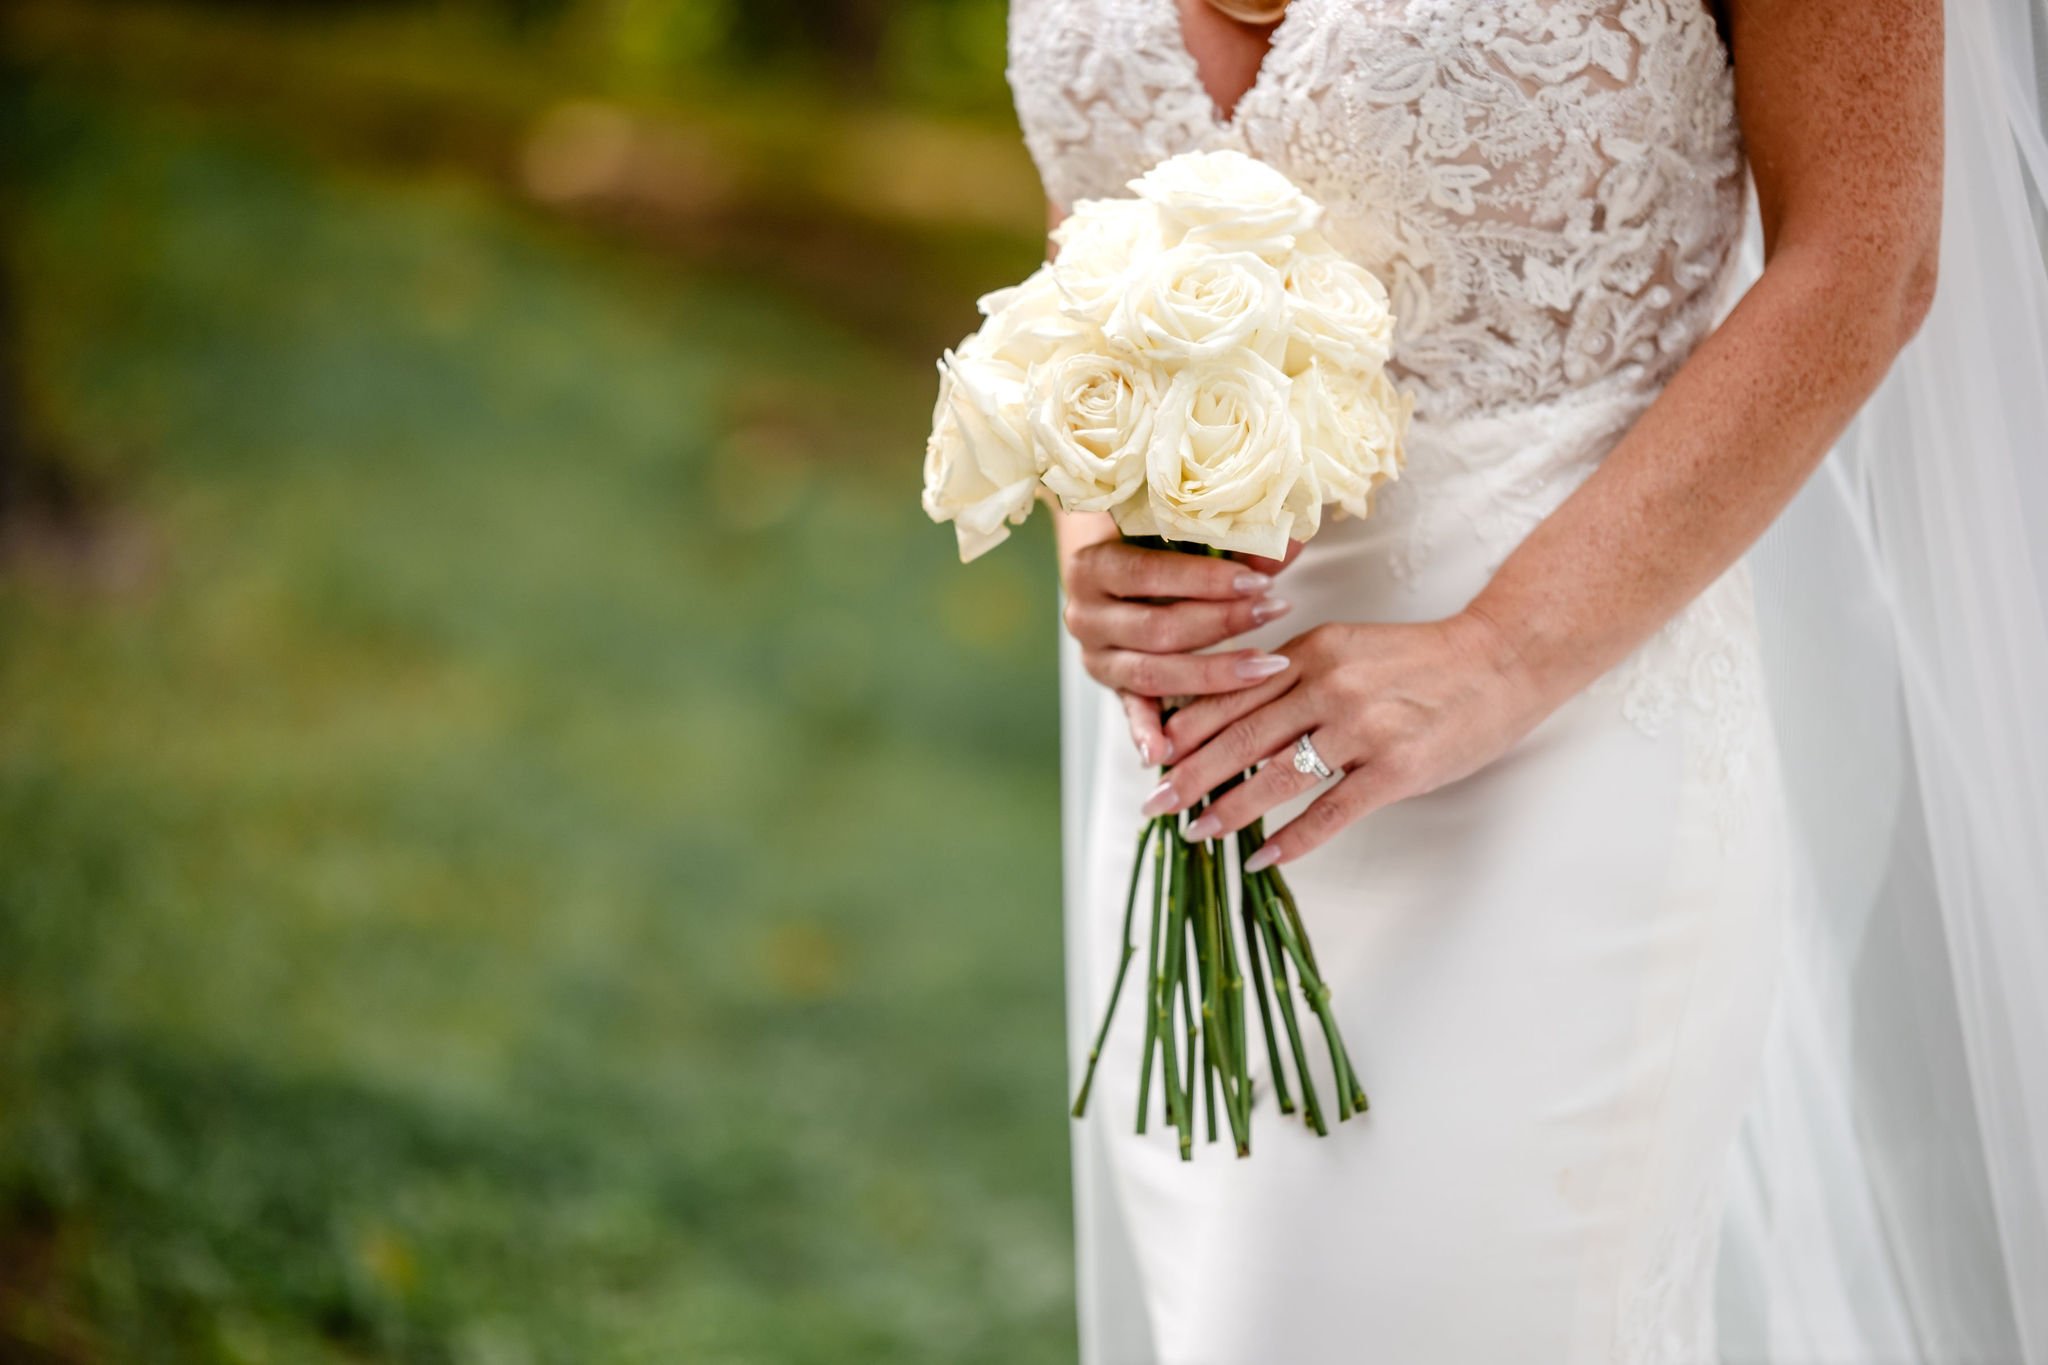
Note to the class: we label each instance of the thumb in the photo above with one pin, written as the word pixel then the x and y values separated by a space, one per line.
pixel 1274 566
pixel 1148 731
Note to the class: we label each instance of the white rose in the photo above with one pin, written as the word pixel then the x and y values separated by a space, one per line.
pixel 1225 467
pixel 1101 242
pixel 1192 303
pixel 979 470
pixel 1337 312
pixel 1352 432
pixel 1035 286
pixel 1229 201
pixel 1028 323
pixel 1092 418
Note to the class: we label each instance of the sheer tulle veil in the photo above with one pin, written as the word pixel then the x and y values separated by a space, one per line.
pixel 1890 1195
pixel 1888 1199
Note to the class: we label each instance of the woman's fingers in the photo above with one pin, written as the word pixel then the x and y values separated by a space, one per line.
pixel 1174 628
pixel 1181 675
pixel 1112 568
pixel 1273 566
pixel 1194 724
pixel 1364 789
pixel 1239 746
pixel 1141 614
pixel 1276 781
pixel 1146 730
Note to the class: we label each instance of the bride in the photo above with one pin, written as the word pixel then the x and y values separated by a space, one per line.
pixel 1655 880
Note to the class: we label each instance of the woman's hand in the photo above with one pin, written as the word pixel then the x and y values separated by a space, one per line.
pixel 1140 615
pixel 1398 709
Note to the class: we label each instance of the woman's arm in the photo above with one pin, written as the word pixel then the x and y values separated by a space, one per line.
pixel 1840 102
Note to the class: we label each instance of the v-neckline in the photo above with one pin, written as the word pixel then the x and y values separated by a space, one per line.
pixel 1228 123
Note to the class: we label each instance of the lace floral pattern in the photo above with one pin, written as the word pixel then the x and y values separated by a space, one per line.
pixel 1704 669
pixel 1489 478
pixel 1549 187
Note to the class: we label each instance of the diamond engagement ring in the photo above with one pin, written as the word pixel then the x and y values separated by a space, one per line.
pixel 1307 760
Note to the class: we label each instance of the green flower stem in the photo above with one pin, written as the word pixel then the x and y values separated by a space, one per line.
pixel 1283 995
pixel 1222 1051
pixel 1188 1013
pixel 1123 966
pixel 1168 1048
pixel 1179 1098
pixel 1248 913
pixel 1238 1087
pixel 1285 893
pixel 1205 957
pixel 1317 994
pixel 1340 1056
pixel 1154 987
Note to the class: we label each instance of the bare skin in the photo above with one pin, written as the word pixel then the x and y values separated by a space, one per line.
pixel 1840 103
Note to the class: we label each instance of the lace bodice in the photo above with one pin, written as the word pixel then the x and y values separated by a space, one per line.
pixel 1550 188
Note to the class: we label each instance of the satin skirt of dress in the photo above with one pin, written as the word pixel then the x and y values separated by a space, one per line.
pixel 1554 977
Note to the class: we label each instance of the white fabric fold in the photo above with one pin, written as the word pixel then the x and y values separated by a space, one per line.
pixel 1891 1196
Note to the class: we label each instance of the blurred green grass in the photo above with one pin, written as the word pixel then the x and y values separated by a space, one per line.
pixel 549 859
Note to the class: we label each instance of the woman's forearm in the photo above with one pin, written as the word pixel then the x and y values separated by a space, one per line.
pixel 1707 467
pixel 1841 111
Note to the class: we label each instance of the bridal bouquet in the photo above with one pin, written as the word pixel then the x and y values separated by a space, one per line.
pixel 1202 365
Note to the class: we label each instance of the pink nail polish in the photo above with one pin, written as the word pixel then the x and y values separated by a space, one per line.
pixel 1207 827
pixel 1161 800
pixel 1261 665
pixel 1252 582
pixel 1263 858
pixel 1167 757
pixel 1272 609
pixel 1145 751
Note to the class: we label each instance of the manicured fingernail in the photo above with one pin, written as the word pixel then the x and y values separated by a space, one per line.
pixel 1161 800
pixel 1271 609
pixel 1252 582
pixel 1207 827
pixel 1264 857
pixel 1261 665
pixel 1167 757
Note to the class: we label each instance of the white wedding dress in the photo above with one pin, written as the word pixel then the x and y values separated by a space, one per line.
pixel 1554 976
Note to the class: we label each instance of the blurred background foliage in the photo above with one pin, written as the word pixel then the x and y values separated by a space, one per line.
pixel 517 841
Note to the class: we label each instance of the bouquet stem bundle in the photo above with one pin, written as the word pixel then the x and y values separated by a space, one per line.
pixel 1195 987
pixel 1202 364
pixel 1203 939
